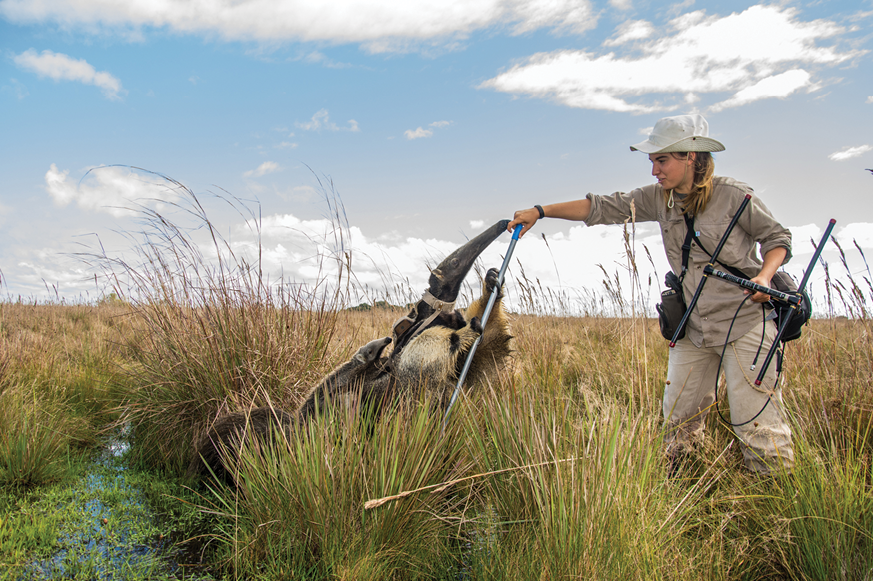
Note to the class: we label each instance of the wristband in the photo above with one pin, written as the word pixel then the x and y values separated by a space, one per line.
pixel 540 210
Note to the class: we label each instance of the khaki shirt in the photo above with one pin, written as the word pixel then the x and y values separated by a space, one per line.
pixel 708 324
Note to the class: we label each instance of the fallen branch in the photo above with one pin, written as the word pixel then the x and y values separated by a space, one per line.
pixel 443 485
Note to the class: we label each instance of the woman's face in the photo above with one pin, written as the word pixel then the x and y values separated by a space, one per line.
pixel 673 172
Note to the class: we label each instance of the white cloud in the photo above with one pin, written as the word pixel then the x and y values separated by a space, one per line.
pixel 321 120
pixel 754 54
pixel 61 67
pixel 850 152
pixel 286 145
pixel 629 31
pixel 780 85
pixel 387 264
pixel 421 132
pixel 621 4
pixel 263 169
pixel 859 232
pixel 114 190
pixel 869 99
pixel 417 133
pixel 380 25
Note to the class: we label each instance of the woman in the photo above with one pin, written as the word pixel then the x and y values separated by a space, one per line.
pixel 680 151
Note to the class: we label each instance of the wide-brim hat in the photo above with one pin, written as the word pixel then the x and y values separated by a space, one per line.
pixel 679 133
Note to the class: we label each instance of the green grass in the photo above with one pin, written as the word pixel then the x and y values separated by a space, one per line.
pixel 103 520
pixel 556 464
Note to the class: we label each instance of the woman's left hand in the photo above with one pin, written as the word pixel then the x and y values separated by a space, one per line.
pixel 760 297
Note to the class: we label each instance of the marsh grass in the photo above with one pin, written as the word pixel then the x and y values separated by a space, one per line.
pixel 298 509
pixel 561 454
pixel 34 439
pixel 214 335
pixel 57 368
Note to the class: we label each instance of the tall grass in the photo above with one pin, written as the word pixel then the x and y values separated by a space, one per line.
pixel 57 366
pixel 215 336
pixel 560 457
pixel 298 510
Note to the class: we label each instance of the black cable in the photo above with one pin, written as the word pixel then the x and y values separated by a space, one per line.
pixel 721 360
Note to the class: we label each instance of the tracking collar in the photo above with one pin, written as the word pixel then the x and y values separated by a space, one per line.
pixel 402 325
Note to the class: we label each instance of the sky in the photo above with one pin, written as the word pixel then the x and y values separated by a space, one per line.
pixel 418 124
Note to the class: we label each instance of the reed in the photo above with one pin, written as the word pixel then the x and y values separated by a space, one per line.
pixel 298 509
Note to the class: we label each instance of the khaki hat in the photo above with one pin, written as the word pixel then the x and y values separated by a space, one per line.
pixel 679 133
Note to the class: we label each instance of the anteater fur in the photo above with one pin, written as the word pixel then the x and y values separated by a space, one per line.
pixel 229 431
pixel 226 436
pixel 366 372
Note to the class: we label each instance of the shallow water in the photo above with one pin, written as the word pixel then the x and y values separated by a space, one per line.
pixel 112 533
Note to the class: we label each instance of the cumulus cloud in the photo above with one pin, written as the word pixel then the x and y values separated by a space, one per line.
pixel 379 25
pixel 870 99
pixel 60 67
pixel 420 132
pixel 780 85
pixel 858 232
pixel 118 191
pixel 629 31
pixel 762 52
pixel 417 133
pixel 321 120
pixel 263 169
pixel 301 250
pixel 850 152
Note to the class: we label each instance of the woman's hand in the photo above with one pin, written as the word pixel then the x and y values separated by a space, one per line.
pixel 760 297
pixel 527 218
pixel 772 261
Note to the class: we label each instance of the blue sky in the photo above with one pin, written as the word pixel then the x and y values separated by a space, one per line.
pixel 431 120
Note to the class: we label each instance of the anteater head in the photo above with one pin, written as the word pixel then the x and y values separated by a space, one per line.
pixel 446 279
pixel 445 285
pixel 372 350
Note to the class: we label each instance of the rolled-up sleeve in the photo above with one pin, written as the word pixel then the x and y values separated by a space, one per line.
pixel 766 231
pixel 638 205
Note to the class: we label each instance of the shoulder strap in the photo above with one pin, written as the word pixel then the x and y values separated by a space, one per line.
pixel 686 245
pixel 686 248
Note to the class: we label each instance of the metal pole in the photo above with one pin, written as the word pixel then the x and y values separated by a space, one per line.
pixel 793 310
pixel 491 300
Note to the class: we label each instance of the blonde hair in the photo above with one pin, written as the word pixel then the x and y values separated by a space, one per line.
pixel 701 192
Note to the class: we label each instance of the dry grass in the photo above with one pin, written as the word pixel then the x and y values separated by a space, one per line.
pixel 570 433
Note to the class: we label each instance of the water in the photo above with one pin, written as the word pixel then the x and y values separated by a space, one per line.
pixel 111 532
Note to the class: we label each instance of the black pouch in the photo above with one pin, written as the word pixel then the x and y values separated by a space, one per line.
pixel 672 307
pixel 782 281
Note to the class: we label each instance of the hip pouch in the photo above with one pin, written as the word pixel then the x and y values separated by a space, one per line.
pixel 672 307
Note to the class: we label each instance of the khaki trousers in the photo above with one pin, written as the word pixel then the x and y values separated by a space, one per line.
pixel 690 393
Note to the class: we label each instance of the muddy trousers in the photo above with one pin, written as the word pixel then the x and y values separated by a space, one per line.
pixel 690 394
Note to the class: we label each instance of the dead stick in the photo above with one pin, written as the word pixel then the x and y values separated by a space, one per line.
pixel 443 485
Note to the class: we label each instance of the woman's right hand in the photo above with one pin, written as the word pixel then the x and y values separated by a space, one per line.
pixel 527 218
